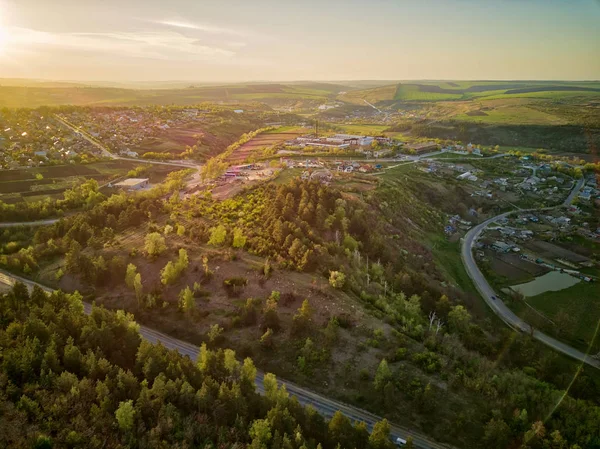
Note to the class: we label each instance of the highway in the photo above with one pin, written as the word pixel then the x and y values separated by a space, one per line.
pixel 325 406
pixel 497 305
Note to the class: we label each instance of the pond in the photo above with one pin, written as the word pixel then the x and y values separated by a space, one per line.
pixel 550 282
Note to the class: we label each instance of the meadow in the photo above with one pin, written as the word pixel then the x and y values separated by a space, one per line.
pixel 576 309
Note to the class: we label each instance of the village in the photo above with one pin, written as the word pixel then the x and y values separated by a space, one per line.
pixel 28 139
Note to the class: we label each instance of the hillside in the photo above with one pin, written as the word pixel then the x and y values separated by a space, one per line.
pixel 331 288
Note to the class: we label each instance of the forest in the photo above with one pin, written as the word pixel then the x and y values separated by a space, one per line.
pixel 73 380
pixel 438 363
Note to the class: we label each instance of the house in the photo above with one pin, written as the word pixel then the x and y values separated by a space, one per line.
pixel 501 247
pixel 133 184
pixel 128 153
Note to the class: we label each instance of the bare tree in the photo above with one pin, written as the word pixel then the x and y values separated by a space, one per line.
pixel 432 317
pixel 438 326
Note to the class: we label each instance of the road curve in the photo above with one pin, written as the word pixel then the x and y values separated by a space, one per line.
pixel 325 406
pixel 497 305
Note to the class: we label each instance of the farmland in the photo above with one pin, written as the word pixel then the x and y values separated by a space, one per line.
pixel 35 96
pixel 264 140
pixel 34 184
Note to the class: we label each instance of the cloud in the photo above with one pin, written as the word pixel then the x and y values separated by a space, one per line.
pixel 199 27
pixel 167 45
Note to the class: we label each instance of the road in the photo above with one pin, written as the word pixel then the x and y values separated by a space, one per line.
pixel 497 305
pixel 325 406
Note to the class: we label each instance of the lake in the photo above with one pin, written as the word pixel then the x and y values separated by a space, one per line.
pixel 550 282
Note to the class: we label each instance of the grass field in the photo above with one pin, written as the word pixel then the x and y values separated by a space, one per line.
pixel 580 302
pixel 512 115
pixel 362 129
pixel 414 93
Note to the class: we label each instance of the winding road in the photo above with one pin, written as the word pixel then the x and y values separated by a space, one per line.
pixel 493 300
pixel 325 406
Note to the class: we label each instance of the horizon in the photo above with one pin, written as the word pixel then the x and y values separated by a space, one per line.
pixel 355 41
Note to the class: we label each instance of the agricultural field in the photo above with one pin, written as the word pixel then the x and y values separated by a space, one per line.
pixel 34 184
pixel 372 95
pixel 35 96
pixel 264 140
pixel 361 129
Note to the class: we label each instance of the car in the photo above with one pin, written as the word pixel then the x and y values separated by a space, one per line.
pixel 493 298
pixel 400 442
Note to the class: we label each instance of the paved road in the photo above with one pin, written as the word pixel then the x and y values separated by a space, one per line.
pixel 325 406
pixel 497 305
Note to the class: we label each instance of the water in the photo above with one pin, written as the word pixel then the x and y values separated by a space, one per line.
pixel 550 282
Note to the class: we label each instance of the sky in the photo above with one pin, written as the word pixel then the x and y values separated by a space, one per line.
pixel 286 40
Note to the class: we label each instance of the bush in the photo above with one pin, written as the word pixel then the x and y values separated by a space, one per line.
pixel 234 285
pixel 337 279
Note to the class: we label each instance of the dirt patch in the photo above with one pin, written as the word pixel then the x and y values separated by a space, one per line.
pixel 261 141
pixel 552 251
pixel 514 268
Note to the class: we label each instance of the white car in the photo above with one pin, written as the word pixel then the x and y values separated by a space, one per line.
pixel 400 442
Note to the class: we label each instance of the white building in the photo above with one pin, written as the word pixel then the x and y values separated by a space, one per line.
pixel 133 184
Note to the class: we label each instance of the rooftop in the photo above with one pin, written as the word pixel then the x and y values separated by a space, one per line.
pixel 131 182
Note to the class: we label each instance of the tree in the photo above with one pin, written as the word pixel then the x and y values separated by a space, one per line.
pixel 459 318
pixel 382 376
pixel 380 436
pixel 169 274
pixel 302 317
pixel 239 239
pixel 217 235
pixel 410 443
pixel 214 332
pixel 212 169
pixel 155 244
pixel 125 415
pixel 496 434
pixel 130 275
pixel 337 279
pixel 267 339
pixel 137 286
pixel 260 432
pixel 187 302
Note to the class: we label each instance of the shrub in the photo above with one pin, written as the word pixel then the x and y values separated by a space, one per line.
pixel 337 279
pixel 234 285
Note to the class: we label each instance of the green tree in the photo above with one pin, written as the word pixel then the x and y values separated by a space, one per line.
pixel 125 415
pixel 260 432
pixel 382 376
pixel 130 275
pixel 459 318
pixel 239 239
pixel 217 235
pixel 337 279
pixel 380 436
pixel 155 244
pixel 496 434
pixel 137 286
pixel 187 302
pixel 214 332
